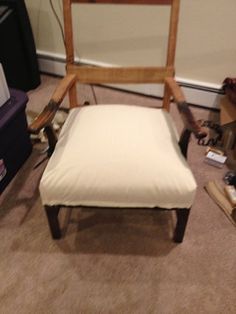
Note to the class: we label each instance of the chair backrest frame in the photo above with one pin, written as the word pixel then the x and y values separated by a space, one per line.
pixel 99 75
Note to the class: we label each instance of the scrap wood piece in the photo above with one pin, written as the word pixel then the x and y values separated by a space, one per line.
pixel 218 195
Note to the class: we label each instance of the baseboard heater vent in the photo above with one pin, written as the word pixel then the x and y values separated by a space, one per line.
pixel 197 93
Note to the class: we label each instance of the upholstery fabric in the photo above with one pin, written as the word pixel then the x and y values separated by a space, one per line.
pixel 118 156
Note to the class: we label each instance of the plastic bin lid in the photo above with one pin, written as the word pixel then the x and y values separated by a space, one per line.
pixel 12 107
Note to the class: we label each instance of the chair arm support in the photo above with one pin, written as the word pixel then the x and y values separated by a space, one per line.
pixel 46 116
pixel 187 116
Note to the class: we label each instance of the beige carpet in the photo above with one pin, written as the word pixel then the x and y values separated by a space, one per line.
pixel 114 261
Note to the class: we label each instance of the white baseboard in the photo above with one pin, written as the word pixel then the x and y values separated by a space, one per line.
pixel 197 93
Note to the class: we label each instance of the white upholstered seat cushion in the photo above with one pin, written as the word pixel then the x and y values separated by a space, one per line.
pixel 118 156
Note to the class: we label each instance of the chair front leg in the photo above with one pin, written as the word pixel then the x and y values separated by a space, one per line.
pixel 52 215
pixel 182 215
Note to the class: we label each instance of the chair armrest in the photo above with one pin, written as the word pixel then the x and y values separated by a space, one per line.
pixel 46 116
pixel 189 121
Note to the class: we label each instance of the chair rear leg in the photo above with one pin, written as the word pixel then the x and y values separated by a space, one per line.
pixel 182 215
pixel 52 215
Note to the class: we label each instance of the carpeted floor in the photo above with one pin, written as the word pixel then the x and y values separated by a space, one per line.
pixel 114 261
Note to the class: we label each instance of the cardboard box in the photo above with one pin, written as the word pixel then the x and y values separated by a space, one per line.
pixel 228 123
pixel 227 112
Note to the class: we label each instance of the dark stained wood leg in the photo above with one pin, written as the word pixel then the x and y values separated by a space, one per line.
pixel 52 138
pixel 184 141
pixel 52 215
pixel 182 219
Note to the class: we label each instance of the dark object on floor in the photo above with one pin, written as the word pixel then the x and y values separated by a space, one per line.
pixel 230 178
pixel 212 141
pixel 15 144
pixel 17 53
pixel 229 87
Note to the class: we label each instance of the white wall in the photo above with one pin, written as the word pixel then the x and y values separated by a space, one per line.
pixel 131 35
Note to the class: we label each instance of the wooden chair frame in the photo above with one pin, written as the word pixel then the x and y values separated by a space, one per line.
pixel 97 75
